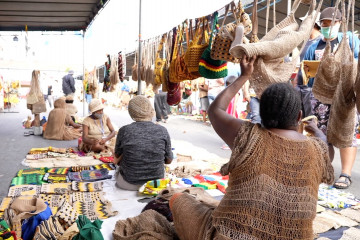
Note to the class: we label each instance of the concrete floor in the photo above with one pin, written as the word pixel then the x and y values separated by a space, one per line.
pixel 14 145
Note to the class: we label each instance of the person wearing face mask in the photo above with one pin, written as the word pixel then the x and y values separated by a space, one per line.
pixel 321 110
pixel 98 132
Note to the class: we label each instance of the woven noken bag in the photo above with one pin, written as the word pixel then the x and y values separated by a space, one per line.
pixel 134 69
pixel 329 70
pixel 269 66
pixel 222 43
pixel 196 47
pixel 341 125
pixel 159 62
pixel 174 90
pixel 35 95
pixel 208 67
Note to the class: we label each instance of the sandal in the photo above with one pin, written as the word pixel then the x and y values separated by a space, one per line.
pixel 347 182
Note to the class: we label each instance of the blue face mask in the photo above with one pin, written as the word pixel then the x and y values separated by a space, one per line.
pixel 325 31
pixel 98 115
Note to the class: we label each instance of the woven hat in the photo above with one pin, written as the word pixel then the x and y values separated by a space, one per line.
pixel 140 109
pixel 95 105
pixel 71 72
pixel 70 98
pixel 328 13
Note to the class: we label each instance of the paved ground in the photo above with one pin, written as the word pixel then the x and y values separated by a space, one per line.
pixel 14 145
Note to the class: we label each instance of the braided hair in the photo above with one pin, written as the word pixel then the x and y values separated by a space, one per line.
pixel 280 105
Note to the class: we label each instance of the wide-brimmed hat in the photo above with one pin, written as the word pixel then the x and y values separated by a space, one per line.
pixel 140 109
pixel 95 105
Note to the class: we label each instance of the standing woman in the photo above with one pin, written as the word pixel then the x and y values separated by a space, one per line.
pixel 98 132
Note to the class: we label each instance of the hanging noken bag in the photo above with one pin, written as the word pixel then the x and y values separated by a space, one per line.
pixel 341 125
pixel 159 62
pixel 269 66
pixel 196 47
pixel 208 67
pixel 222 42
pixel 327 78
pixel 174 90
pixel 134 69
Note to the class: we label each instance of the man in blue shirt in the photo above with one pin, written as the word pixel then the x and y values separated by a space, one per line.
pixel 321 110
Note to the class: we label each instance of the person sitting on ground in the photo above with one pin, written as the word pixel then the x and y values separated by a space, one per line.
pixel 274 172
pixel 142 147
pixel 71 109
pixel 98 131
pixel 60 126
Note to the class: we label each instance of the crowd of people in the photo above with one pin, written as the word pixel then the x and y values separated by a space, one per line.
pixel 275 171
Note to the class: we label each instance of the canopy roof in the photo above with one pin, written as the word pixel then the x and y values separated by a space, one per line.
pixel 48 15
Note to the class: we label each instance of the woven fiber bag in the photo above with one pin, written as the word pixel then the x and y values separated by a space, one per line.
pixel 134 69
pixel 179 71
pixel 173 89
pixel 341 125
pixel 327 78
pixel 35 95
pixel 269 66
pixel 196 47
pixel 357 87
pixel 159 62
pixel 208 67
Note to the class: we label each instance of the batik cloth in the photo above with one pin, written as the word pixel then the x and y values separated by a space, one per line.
pixel 28 179
pixel 86 196
pixel 87 186
pixel 58 170
pixel 95 175
pixel 24 190
pixel 57 188
pixel 96 209
pixel 40 171
pixel 108 166
pixel 56 178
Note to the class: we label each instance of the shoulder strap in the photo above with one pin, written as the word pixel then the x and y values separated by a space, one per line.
pixel 255 18
pixel 226 13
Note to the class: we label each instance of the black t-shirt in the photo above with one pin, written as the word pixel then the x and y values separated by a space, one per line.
pixel 321 48
pixel 49 90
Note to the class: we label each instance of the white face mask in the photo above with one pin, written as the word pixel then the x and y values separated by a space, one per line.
pixel 325 31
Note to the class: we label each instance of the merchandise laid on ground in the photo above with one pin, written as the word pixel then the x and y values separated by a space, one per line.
pixel 67 191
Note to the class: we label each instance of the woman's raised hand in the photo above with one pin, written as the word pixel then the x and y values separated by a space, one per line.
pixel 247 66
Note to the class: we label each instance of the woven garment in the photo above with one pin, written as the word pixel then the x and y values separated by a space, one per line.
pixel 86 196
pixel 66 215
pixel 58 170
pixel 357 86
pixel 149 225
pixel 75 176
pixel 50 229
pixel 70 232
pixel 192 219
pixel 95 209
pixel 95 175
pixel 55 178
pixel 28 179
pixel 273 186
pixel 24 190
pixel 55 201
pixel 161 206
pixel 87 187
pixel 36 156
pixel 40 171
pixel 57 188
pixel 13 222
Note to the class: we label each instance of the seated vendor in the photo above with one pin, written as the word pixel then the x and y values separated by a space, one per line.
pixel 60 126
pixel 71 109
pixel 98 132
pixel 142 147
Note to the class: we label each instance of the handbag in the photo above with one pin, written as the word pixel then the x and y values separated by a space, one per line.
pixel 196 47
pixel 174 90
pixel 159 62
pixel 134 70
pixel 208 67
pixel 342 120
pixel 222 42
